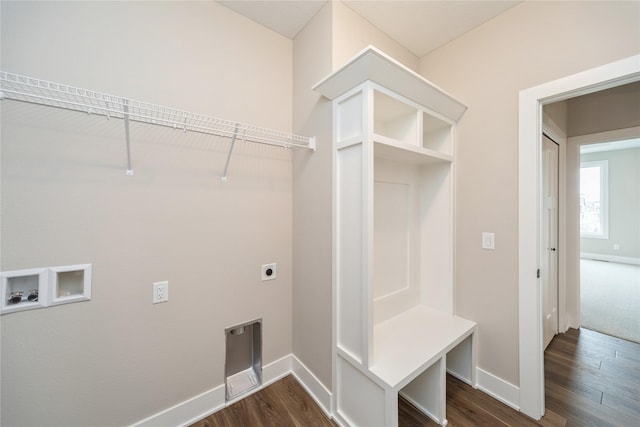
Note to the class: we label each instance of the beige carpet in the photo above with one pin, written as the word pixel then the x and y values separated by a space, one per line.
pixel 610 298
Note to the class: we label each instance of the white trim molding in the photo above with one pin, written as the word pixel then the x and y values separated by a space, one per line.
pixel 529 230
pixel 189 411
pixel 498 388
pixel 615 135
pixel 610 258
pixel 312 385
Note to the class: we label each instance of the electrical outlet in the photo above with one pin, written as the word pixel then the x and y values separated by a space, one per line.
pixel 160 292
pixel 269 271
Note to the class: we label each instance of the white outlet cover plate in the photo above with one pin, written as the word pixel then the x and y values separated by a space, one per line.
pixel 266 268
pixel 160 292
pixel 488 241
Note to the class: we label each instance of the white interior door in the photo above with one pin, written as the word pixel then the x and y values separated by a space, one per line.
pixel 550 239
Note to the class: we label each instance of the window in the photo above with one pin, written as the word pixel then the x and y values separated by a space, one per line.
pixel 593 200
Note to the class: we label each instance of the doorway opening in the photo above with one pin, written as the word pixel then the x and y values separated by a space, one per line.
pixel 529 207
pixel 610 233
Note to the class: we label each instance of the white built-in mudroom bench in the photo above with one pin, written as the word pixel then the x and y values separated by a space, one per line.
pixel 394 327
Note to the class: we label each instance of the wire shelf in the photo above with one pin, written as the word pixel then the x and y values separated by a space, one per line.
pixel 36 91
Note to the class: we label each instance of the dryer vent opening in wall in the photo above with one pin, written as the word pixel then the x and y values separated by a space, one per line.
pixel 243 362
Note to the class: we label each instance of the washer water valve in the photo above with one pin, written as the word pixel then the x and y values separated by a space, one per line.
pixel 33 295
pixel 15 297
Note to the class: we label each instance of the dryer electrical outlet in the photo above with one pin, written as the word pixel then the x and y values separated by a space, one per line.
pixel 269 271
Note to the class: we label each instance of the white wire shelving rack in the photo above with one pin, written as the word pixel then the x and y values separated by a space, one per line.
pixel 27 89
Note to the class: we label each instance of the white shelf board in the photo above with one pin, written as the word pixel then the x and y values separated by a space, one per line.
pixel 374 65
pixel 407 344
pixel 398 151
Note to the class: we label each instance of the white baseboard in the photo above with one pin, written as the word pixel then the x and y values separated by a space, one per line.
pixel 205 404
pixel 189 411
pixel 498 388
pixel 312 385
pixel 610 258
pixel 276 370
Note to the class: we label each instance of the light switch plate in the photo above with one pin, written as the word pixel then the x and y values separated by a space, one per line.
pixel 488 241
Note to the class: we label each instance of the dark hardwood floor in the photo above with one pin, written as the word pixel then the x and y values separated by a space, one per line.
pixel 591 379
pixel 468 407
pixel 283 403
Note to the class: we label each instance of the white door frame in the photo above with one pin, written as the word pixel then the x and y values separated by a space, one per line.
pixel 529 213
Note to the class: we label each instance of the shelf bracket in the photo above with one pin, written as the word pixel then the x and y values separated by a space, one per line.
pixel 223 178
pixel 125 110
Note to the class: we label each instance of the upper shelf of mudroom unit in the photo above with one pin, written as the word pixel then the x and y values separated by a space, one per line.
pixel 374 65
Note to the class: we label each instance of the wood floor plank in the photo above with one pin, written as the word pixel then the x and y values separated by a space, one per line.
pixel 308 413
pixel 621 368
pixel 581 349
pixel 627 406
pixel 271 409
pixel 471 416
pixel 556 373
pixel 590 378
pixel 458 392
pixel 584 343
pixel 583 412
pixel 629 355
pixel 593 340
pixel 552 419
pixel 283 403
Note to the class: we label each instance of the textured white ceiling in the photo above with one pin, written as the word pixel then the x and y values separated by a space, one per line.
pixel 419 25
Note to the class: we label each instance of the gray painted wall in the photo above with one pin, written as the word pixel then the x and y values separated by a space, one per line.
pixel 118 359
